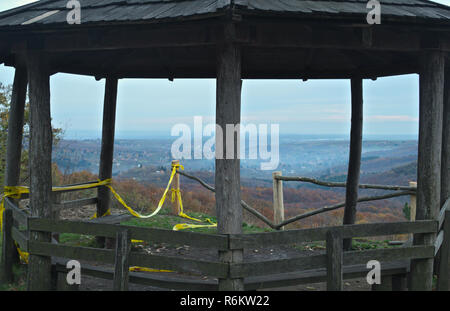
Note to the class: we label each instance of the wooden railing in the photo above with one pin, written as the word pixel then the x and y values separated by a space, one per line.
pixel 278 205
pixel 257 273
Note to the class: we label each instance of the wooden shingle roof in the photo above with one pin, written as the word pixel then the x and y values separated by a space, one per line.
pixel 53 12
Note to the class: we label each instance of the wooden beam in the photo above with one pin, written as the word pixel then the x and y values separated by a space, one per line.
pixel 123 248
pixel 429 160
pixel 335 260
pixel 445 165
pixel 354 162
pixel 15 134
pixel 443 273
pixel 39 267
pixel 107 151
pixel 227 177
pixel 445 180
pixel 6 271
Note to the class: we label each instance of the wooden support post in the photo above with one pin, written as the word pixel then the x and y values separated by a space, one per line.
pixel 278 204
pixel 354 163
pixel 8 248
pixel 442 259
pixel 412 203
pixel 176 208
pixel 443 273
pixel 15 134
pixel 107 150
pixel 39 267
pixel 445 165
pixel 429 160
pixel 399 282
pixel 56 199
pixel 123 248
pixel 334 261
pixel 227 177
pixel 386 284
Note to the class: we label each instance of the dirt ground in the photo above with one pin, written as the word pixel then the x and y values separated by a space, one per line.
pixel 96 284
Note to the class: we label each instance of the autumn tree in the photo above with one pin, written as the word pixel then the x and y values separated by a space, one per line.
pixel 5 100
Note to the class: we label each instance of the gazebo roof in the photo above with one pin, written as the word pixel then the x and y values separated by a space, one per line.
pixel 54 12
pixel 295 39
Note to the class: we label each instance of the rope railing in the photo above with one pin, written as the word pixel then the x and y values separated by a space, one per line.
pixel 402 191
pixel 343 185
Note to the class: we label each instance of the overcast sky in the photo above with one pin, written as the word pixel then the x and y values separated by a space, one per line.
pixel 154 106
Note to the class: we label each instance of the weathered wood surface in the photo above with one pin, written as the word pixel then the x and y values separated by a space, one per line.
pixel 335 261
pixel 354 162
pixel 15 127
pixel 385 286
pixel 72 252
pixel 176 208
pixel 75 203
pixel 399 282
pixel 429 159
pixel 340 205
pixel 277 266
pixel 227 177
pixel 19 215
pixel 7 248
pixel 138 233
pixel 319 275
pixel 15 134
pixel 111 219
pixel 343 184
pixel 40 156
pixel 162 280
pixel 107 150
pixel 445 207
pixel 443 273
pixel 303 263
pixel 412 202
pixel 445 165
pixel 196 266
pixel 21 239
pixel 268 239
pixel 278 205
pixel 388 254
pixel 123 248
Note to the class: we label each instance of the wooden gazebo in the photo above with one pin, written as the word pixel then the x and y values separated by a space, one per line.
pixel 229 40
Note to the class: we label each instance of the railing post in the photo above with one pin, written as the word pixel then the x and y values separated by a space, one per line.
pixel 56 201
pixel 231 256
pixel 278 204
pixel 443 282
pixel 123 248
pixel 334 260
pixel 412 203
pixel 7 247
pixel 176 186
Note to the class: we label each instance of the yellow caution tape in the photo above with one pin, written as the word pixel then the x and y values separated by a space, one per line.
pixel 142 269
pixel 16 192
pixel 23 255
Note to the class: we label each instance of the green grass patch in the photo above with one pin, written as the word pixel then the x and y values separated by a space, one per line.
pixel 72 239
pixel 166 221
